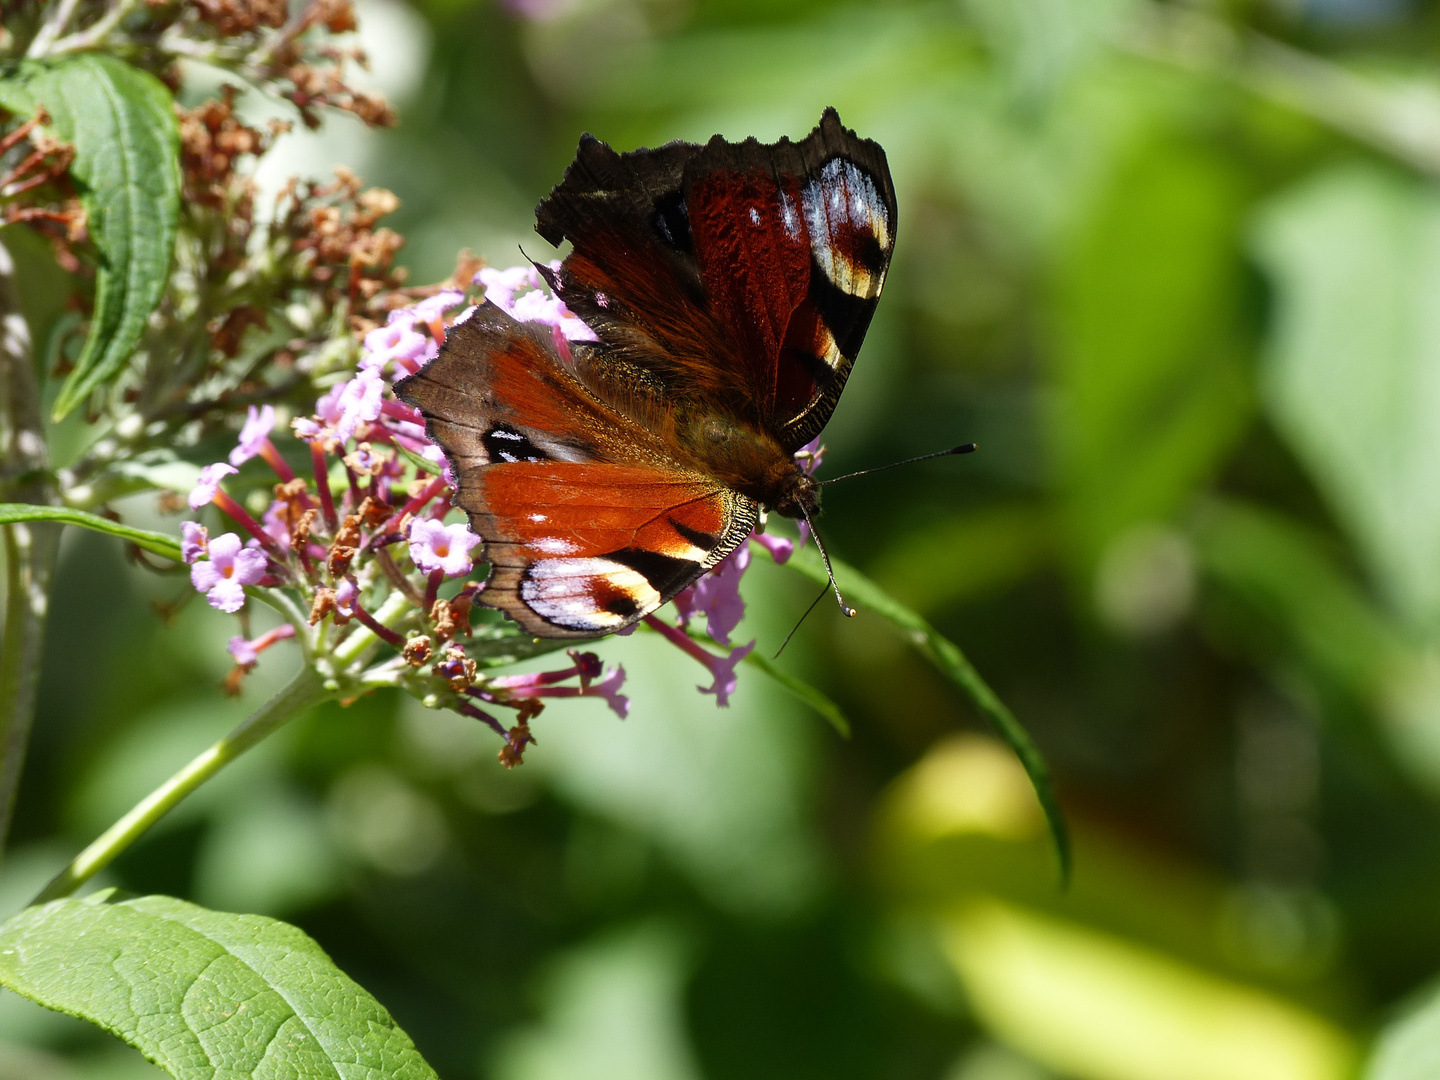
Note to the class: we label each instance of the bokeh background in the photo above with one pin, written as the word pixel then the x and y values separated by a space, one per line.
pixel 1176 267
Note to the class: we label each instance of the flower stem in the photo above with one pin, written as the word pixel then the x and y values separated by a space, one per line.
pixel 30 548
pixel 303 691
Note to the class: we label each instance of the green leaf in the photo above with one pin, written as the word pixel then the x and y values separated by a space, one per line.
pixel 204 994
pixel 1409 1048
pixel 121 121
pixel 952 663
pixel 1151 390
pixel 1350 375
pixel 154 542
pixel 802 690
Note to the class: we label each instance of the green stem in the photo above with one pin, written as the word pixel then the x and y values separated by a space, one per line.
pixel 30 547
pixel 303 691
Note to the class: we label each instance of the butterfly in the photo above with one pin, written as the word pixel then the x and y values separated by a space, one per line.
pixel 729 287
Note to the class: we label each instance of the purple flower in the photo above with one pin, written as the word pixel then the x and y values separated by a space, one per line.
pixel 274 523
pixel 717 597
pixel 437 546
pixel 229 569
pixel 346 593
pixel 193 540
pixel 534 304
pixel 358 402
pixel 243 652
pixel 432 307
pixel 608 687
pixel 254 435
pixel 501 285
pixel 398 341
pixel 779 547
pixel 209 483
pixel 721 668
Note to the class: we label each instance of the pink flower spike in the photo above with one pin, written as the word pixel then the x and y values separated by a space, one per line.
pixel 433 307
pixel 437 546
pixel 209 483
pixel 779 547
pixel 254 435
pixel 358 402
pixel 608 687
pixel 721 668
pixel 223 577
pixel 194 538
pixel 717 597
pixel 247 653
pixel 398 341
pixel 243 652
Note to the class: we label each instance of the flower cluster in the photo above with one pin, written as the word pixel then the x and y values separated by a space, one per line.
pixel 364 549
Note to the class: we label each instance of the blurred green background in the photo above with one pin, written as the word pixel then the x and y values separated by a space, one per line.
pixel 1176 267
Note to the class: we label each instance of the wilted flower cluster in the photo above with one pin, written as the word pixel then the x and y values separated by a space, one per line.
pixel 363 548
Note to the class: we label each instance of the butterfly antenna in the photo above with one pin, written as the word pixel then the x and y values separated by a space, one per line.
pixel 963 448
pixel 825 555
pixel 818 597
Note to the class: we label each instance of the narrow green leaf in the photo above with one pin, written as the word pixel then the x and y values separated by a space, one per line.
pixel 204 994
pixel 946 656
pixel 802 690
pixel 121 121
pixel 154 542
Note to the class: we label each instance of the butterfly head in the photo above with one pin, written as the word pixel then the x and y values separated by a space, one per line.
pixel 798 495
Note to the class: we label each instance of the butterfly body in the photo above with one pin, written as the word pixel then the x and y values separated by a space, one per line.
pixel 728 286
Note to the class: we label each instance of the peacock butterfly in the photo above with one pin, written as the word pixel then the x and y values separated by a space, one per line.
pixel 729 287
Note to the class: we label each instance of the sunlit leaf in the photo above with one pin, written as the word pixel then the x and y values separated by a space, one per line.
pixel 1352 376
pixel 154 542
pixel 204 993
pixel 1409 1048
pixel 121 122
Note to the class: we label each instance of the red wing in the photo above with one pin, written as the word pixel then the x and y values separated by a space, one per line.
pixel 738 274
pixel 588 522
pixel 587 549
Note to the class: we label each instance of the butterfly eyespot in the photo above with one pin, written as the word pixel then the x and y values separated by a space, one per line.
pixel 505 444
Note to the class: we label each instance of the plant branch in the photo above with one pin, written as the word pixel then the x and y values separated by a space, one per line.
pixel 303 691
pixel 30 547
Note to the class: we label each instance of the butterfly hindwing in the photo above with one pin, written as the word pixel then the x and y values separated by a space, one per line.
pixel 588 523
pixel 743 275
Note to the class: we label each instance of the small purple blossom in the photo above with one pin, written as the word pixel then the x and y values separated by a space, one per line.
pixel 209 483
pixel 437 546
pixel 358 402
pixel 779 547
pixel 193 540
pixel 534 304
pixel 398 340
pixel 717 597
pixel 433 307
pixel 721 668
pixel 346 593
pixel 608 687
pixel 242 651
pixel 223 577
pixel 274 523
pixel 254 435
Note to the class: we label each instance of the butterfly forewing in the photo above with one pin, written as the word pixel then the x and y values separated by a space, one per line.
pixel 587 521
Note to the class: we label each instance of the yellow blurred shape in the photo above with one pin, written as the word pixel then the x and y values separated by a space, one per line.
pixel 1097 1007
pixel 967 784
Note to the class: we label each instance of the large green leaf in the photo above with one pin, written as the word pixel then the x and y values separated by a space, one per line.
pixel 954 665
pixel 1151 390
pixel 121 121
pixel 204 994
pixel 1352 376
pixel 1409 1048
pixel 154 542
